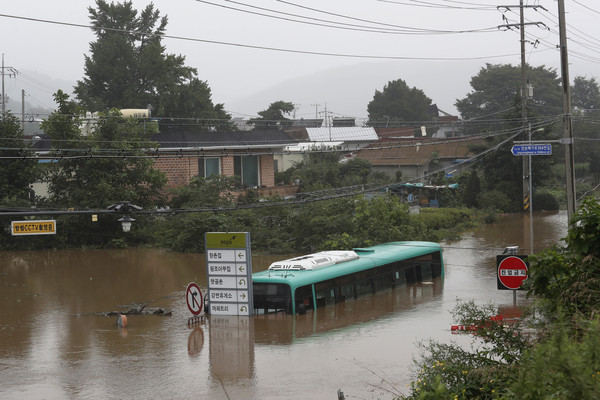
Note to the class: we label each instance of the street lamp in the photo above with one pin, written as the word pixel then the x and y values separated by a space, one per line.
pixel 126 223
pixel 125 207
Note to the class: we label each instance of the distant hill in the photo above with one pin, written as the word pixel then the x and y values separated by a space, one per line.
pixel 347 90
pixel 39 91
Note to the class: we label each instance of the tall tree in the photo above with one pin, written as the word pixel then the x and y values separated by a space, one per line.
pixel 496 89
pixel 472 190
pixel 17 173
pixel 98 182
pixel 274 117
pixel 128 67
pixel 585 95
pixel 398 104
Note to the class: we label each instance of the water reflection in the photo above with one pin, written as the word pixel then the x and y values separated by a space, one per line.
pixel 285 329
pixel 53 345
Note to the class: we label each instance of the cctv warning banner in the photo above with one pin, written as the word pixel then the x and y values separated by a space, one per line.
pixel 41 227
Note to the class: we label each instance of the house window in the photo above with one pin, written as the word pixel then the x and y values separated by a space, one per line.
pixel 276 165
pixel 246 167
pixel 208 167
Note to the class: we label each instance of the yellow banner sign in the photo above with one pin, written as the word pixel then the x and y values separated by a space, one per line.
pixel 34 227
pixel 221 240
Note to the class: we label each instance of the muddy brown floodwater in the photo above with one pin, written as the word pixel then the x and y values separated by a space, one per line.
pixel 56 343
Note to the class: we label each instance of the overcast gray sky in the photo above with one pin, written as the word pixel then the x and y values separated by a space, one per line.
pixel 314 53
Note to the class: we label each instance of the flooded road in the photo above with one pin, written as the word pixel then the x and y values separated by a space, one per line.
pixel 56 344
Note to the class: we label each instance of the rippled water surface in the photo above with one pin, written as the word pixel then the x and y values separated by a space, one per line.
pixel 56 341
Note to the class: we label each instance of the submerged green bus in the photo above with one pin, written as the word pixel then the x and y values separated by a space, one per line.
pixel 308 282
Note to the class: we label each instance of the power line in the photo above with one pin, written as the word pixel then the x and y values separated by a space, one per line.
pixel 266 48
pixel 398 29
pixel 429 4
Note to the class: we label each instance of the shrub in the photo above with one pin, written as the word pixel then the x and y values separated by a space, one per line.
pixel 544 201
pixel 495 200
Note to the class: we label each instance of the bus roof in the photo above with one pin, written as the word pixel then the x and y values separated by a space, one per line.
pixel 368 257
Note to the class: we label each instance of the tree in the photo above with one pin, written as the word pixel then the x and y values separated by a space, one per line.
pixel 398 104
pixel 16 172
pixel 497 88
pixel 472 190
pixel 99 182
pixel 129 68
pixel 585 95
pixel 496 101
pixel 274 117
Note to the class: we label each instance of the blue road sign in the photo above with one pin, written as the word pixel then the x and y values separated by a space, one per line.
pixel 531 149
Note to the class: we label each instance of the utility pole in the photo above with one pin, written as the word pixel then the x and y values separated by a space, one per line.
pixel 567 117
pixel 294 104
pixel 11 71
pixel 316 110
pixel 526 165
pixel 527 203
pixel 23 111
pixel 327 120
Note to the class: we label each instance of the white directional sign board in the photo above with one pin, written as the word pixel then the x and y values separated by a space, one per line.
pixel 229 273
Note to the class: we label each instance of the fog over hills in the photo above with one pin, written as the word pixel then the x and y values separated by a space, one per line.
pixel 39 89
pixel 344 91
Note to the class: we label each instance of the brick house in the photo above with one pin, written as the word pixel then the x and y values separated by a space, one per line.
pixel 251 155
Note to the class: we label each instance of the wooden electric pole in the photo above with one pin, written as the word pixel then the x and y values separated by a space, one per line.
pixel 567 117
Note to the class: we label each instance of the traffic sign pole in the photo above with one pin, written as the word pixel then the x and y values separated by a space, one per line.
pixel 229 272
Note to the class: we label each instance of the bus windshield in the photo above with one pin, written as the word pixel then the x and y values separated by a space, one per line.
pixel 272 297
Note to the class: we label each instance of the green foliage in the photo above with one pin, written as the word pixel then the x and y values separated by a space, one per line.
pixel 544 200
pixel 185 232
pixel 341 223
pixel 563 367
pixel 320 171
pixel 397 104
pixel 128 68
pixel 205 192
pixel 274 117
pixel 496 200
pixel 100 182
pixel 585 95
pixel 16 173
pixel 568 277
pixel 471 192
pixel 496 88
pixel 97 183
pixel 448 371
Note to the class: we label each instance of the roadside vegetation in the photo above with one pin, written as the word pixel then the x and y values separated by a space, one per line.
pixel 552 352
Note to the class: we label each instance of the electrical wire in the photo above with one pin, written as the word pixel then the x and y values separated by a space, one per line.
pixel 398 29
pixel 121 152
pixel 266 48
pixel 428 4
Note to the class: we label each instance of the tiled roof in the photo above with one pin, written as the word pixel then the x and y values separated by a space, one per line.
pixel 271 138
pixel 254 139
pixel 416 151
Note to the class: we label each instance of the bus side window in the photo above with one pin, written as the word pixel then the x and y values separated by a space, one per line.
pixel 325 292
pixel 426 271
pixel 304 297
